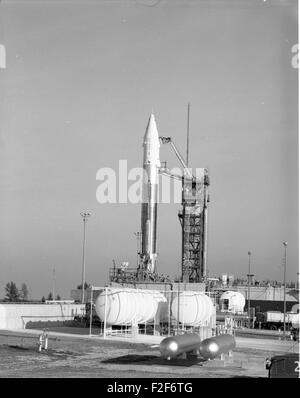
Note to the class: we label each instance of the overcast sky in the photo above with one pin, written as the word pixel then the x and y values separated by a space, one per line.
pixel 80 81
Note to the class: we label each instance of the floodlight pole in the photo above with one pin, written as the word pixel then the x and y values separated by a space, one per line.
pixel 249 308
pixel 91 310
pixel 85 217
pixel 284 288
pixel 53 284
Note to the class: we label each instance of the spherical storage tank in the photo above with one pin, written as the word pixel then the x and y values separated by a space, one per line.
pixel 295 308
pixel 236 301
pixel 125 306
pixel 192 308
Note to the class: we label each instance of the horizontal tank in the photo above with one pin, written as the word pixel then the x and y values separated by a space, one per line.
pixel 215 346
pixel 125 306
pixel 232 301
pixel 171 347
pixel 192 308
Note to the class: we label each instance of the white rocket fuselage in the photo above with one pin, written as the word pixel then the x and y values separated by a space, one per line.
pixel 151 164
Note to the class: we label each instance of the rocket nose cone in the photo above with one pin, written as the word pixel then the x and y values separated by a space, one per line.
pixel 151 130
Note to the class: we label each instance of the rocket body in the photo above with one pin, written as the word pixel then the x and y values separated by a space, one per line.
pixel 151 164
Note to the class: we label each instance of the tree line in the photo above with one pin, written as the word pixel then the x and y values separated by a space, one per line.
pixel 14 294
pixel 50 297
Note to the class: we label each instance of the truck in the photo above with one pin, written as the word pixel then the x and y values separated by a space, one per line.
pixel 274 320
pixel 283 366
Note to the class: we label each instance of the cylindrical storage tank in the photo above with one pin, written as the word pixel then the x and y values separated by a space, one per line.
pixel 294 319
pixel 215 346
pixel 236 301
pixel 192 308
pixel 126 306
pixel 171 347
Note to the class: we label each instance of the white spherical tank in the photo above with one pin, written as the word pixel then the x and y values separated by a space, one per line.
pixel 235 301
pixel 295 308
pixel 125 306
pixel 192 308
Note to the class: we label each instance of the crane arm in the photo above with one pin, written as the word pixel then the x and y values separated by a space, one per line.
pixel 167 173
pixel 168 140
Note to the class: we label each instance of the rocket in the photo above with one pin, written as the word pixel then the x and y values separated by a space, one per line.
pixel 151 165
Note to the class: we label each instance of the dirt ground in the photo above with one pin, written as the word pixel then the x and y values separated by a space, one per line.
pixel 75 357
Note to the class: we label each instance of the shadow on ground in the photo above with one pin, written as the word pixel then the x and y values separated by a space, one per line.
pixel 32 350
pixel 153 360
pixel 247 377
pixel 18 347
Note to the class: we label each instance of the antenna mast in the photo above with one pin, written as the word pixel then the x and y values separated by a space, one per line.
pixel 188 136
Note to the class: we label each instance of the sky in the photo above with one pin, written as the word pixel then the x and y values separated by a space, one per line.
pixel 80 82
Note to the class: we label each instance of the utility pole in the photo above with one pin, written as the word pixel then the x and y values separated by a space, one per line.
pixel 85 217
pixel 284 283
pixel 249 275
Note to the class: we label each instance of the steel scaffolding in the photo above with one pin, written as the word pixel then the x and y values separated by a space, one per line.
pixel 193 219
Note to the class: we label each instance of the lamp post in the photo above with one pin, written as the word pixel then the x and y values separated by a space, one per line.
pixel 85 217
pixel 284 283
pixel 249 275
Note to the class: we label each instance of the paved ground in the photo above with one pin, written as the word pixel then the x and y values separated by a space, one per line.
pixel 83 356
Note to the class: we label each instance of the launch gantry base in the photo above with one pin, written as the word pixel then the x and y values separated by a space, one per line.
pixel 133 275
pixel 193 219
